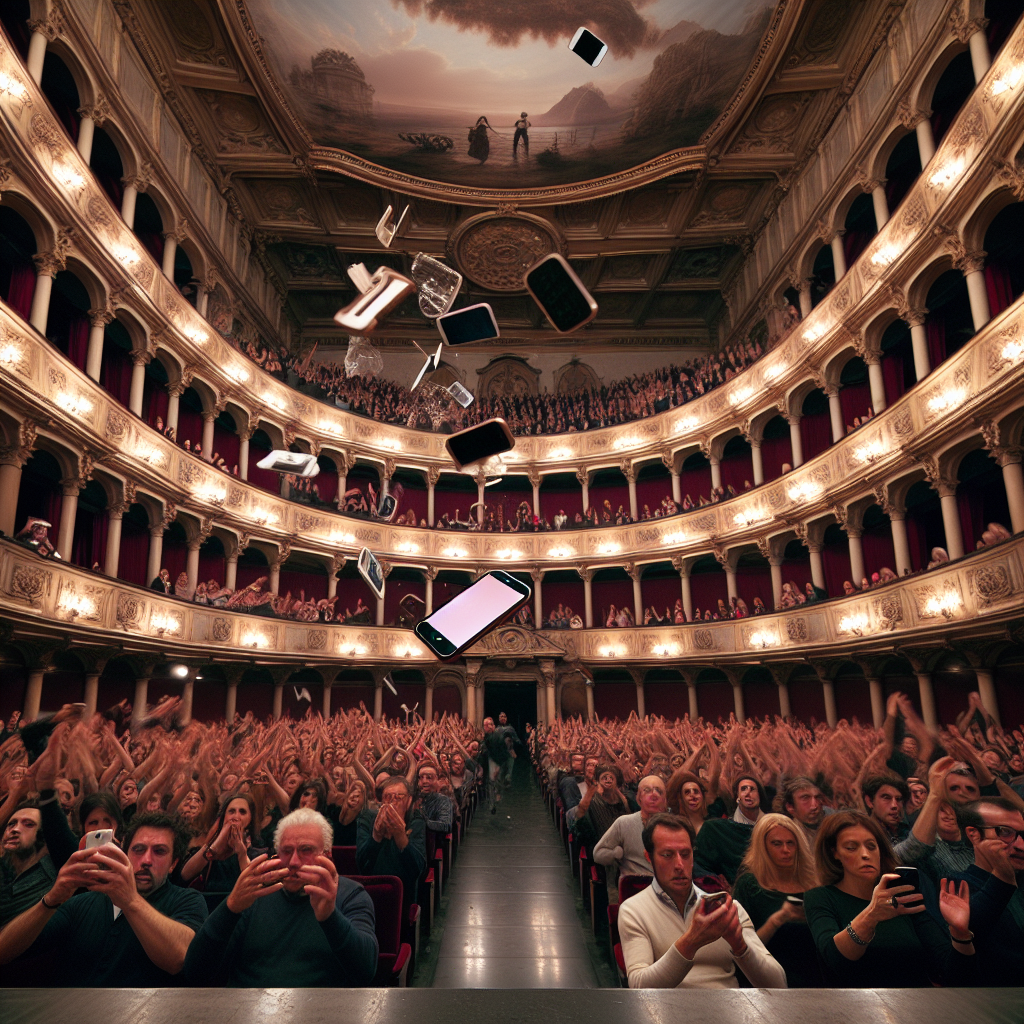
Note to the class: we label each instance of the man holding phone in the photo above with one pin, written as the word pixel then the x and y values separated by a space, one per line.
pixel 676 936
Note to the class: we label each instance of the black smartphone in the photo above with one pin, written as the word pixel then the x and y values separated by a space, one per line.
pixel 474 323
pixel 454 626
pixel 713 900
pixel 560 294
pixel 474 444
pixel 908 876
pixel 588 47
pixel 369 568
pixel 386 506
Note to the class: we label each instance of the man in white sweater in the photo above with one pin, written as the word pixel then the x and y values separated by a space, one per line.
pixel 622 845
pixel 671 939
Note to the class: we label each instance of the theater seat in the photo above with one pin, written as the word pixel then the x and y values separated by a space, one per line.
pixel 615 944
pixel 344 858
pixel 630 885
pixel 393 954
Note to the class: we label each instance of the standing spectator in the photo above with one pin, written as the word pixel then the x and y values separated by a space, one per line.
pixel 435 807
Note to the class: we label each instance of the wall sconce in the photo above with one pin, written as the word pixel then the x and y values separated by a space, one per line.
pixel 407 651
pixel 774 371
pixel 947 605
pixel 948 399
pixel 391 443
pixel 10 354
pixel 741 395
pixel 750 516
pixel 213 495
pixel 273 401
pixel 162 623
pixel 407 547
pixel 68 177
pixel 612 651
pixel 71 606
pixel 351 649
pixel 76 405
pixel 196 334
pixel 1012 351
pixel 607 549
pixel 870 451
pixel 129 257
pixel 559 552
pixel 689 423
pixel 665 650
pixel 885 256
pixel 255 640
pixel 342 538
pixel 674 538
pixel 763 638
pixel 947 174
pixel 12 87
pixel 239 374
pixel 815 333
pixel 146 452
pixel 263 517
pixel 454 553
pixel 560 453
pixel 508 554
pixel 853 624
pixel 1010 79
pixel 627 442
pixel 806 490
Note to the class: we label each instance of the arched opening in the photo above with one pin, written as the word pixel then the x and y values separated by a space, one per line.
pixel 949 325
pixel 754 580
pixel 860 227
pixel 40 493
pixel 609 493
pixel 561 493
pixel 225 439
pixel 760 694
pixel 116 371
pixel 980 497
pixel 117 683
pixel 562 598
pixel 405 596
pixel 59 87
pixel 190 427
pixel 252 564
pixel 184 275
pixel 823 275
pixel 356 602
pixel 154 394
pixel 737 466
pixel 212 562
pixel 352 687
pixel 255 693
pixel 67 323
pixel 412 693
pixel 304 576
pixel 106 163
pixel 613 598
pixel 175 551
pixel 876 542
pixel 64 683
pixel 951 92
pixel 1002 15
pixel 806 695
pixel 776 447
pixel 815 424
pixel 504 500
pixel 853 695
pixel 666 693
pixel 1009 670
pixel 1004 265
pixel 89 547
pixel 134 555
pixel 952 682
pixel 614 693
pixel 661 594
pixel 902 169
pixel 796 570
pixel 924 524
pixel 149 226
pixel 714 695
pixel 653 486
pixel 897 361
pixel 14 16
pixel 835 557
pixel 17 271
pixel 708 586
pixel 854 393
pixel 695 479
pixel 414 494
pixel 453 496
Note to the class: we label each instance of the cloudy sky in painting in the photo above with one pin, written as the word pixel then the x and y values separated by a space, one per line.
pixel 494 56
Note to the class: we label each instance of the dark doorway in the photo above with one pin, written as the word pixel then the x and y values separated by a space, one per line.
pixel 517 699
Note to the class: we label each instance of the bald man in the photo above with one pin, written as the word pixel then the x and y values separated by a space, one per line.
pixel 621 848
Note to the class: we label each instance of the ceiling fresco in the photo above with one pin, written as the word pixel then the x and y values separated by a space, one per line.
pixel 434 88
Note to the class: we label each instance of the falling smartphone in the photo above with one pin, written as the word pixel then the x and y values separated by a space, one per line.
pixel 461 394
pixel 588 47
pixel 473 323
pixel 386 230
pixel 454 626
pixel 369 568
pixel 560 294
pixel 474 444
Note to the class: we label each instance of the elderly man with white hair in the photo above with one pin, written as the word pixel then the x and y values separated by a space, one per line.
pixel 290 921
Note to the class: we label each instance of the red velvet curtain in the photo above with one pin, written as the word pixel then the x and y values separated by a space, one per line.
pixel 615 699
pixel 447 699
pixel 78 341
pixel 755 581
pixel 661 593
pixel 878 548
pixel 327 484
pixel 571 502
pixel 116 373
pixel 413 498
pixel 134 556
pixel 190 428
pixel 565 593
pixel 836 561
pixel 153 242
pixel 854 400
pixel 314 584
pixel 617 494
pixel 608 593
pixel 173 558
pixel 936 331
pixel 774 452
pixel 90 540
pixel 893 373
pixel 706 588
pixel 38 496
pixel 815 434
pixel 736 469
pixel 651 491
pixel 715 701
pixel 999 287
pixel 265 478
pixel 212 564
pixel 225 444
pixel 22 288
pixel 395 591
pixel 155 403
pixel 695 481
pixel 760 699
pixel 447 502
pixel 670 699
pixel 854 243
pixel 807 700
pixel 970 504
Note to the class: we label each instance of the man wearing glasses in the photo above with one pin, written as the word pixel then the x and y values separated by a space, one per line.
pixel 995 828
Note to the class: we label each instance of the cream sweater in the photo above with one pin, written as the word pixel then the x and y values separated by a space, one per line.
pixel 649 925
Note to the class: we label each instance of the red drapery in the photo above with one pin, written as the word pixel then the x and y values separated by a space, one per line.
pixel 265 478
pixel 695 481
pixel 661 594
pixel 774 452
pixel 313 584
pixel 794 570
pixel 970 498
pixel 755 581
pixel 760 699
pixel 936 331
pixel 90 541
pixel 608 593
pixel 447 700
pixel 116 373
pixel 893 372
pixel 395 591
pixel 615 699
pixel 616 494
pixel 155 405
pixel 999 287
pixel 413 498
pixel 878 548
pixel 225 444
pixel 715 701
pixel 565 593
pixel 173 558
pixel 78 341
pixel 670 699
pixel 570 501
pixel 326 484
pixel 212 564
pixel 836 561
pixel 815 434
pixel 706 588
pixel 737 469
pixel 854 243
pixel 854 400
pixel 651 491
pixel 22 288
pixel 190 428
pixel 153 242
pixel 807 700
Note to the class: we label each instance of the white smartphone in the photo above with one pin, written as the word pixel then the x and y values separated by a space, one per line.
pixel 370 570
pixel 588 47
pixel 385 230
pixel 432 363
pixel 297 463
pixel 387 290
pixel 454 626
pixel 560 294
pixel 473 323
pixel 100 837
pixel 461 394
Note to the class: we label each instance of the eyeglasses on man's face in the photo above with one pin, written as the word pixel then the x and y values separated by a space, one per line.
pixel 1006 833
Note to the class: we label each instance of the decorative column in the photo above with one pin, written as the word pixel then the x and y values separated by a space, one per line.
pixel 140 703
pixel 209 418
pixel 716 470
pixel 584 481
pixel 11 463
pixel 829 693
pixel 880 203
pixel 684 583
pixel 431 575
pixel 481 483
pixel 433 475
pixel 972 265
pixel 785 710
pixel 473 694
pixel 174 393
pixel 337 564
pixel 115 514
pixel 677 487
pixel 378 701
pixel 70 489
pixel 629 472
pixel 327 698
pixel 756 460
pixel 691 688
pixel 133 185
pixel 231 573
pixel 588 687
pixel 43 32
pixel 876 382
pixel 633 571
pixel 278 700
pixel 98 320
pixel 537 575
pixel 47 266
pixel 547 668
pixel 805 298
pixel 171 240
pixel 973 34
pixel 925 137
pixel 900 541
pixel 987 692
pixel 737 702
pixel 90 694
pixel 796 443
pixel 89 118
pixel 187 693
pixel 928 713
pixel 230 702
pixel 877 701
pixel 776 570
pixel 641 699
pixel 192 565
pixel 428 702
pixel 838 254
pixel 244 437
pixel 817 565
pixel 33 695
pixel 587 575
pixel 140 357
pixel 857 570
pixel 915 319
pixel 835 412
pixel 1008 458
pixel 534 477
pixel 385 571
pixel 945 487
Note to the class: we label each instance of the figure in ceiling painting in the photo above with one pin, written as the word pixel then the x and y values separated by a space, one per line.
pixel 395 82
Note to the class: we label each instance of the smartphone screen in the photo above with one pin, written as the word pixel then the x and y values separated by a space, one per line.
pixel 478 443
pixel 474 323
pixel 564 302
pixel 454 625
pixel 369 569
pixel 588 47
pixel 386 507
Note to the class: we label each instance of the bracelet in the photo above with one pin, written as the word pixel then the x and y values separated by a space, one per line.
pixel 853 935
pixel 964 942
pixel 42 899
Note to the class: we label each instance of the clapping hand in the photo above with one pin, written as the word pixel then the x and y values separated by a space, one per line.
pixel 260 878
pixel 321 878
pixel 955 907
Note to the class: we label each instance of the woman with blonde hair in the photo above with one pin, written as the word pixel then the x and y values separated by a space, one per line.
pixel 776 872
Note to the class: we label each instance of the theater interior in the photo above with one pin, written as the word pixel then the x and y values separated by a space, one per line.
pixel 782 540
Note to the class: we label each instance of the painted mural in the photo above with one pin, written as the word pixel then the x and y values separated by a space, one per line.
pixel 486 93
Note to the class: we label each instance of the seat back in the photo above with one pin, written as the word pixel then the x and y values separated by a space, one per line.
pixel 386 893
pixel 344 858
pixel 630 885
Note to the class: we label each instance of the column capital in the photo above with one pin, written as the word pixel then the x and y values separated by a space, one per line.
pixel 433 475
pixel 431 572
pixel 668 460
pixel 178 233
pixel 536 574
pixel 628 470
pixel 117 509
pixel 680 566
pixel 583 476
pixel 942 484
pixel 140 356
pixel 533 475
pixel 1004 454
pixel 961 26
pixel 51 26
pixel 585 573
pixel 140 180
pixel 20 452
pixel 97 112
pixel 910 117
pixel 632 571
pixel 100 317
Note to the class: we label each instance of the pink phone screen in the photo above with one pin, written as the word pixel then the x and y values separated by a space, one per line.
pixel 487 601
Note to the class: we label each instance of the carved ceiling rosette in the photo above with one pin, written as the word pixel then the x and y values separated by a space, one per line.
pixel 495 249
